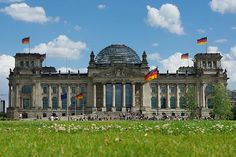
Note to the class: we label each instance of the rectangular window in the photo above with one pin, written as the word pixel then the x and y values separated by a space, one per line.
pixel 173 90
pixel 182 88
pixel 64 89
pixel 54 89
pixel 84 91
pixel 163 90
pixel 32 63
pixel 45 89
pixel 209 64
pixel 204 64
pixel 73 90
pixel 21 63
pixel 214 64
pixel 154 88
pixel 26 103
pixel 27 63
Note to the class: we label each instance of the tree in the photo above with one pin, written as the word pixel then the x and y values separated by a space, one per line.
pixel 222 107
pixel 190 102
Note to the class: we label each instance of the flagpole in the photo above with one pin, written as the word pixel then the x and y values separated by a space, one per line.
pixel 29 45
pixel 206 47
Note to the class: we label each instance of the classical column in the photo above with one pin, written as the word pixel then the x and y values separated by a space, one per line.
pixel 197 89
pixel 68 95
pixel 113 97
pixel 94 97
pixel 177 96
pixel 37 95
pixel 123 93
pixel 104 98
pixel 133 95
pixel 158 96
pixel 49 96
pixel 33 95
pixel 59 96
pixel 123 97
pixel 9 95
pixel 203 96
pixel 167 96
pixel 40 103
pixel 186 88
pixel 17 98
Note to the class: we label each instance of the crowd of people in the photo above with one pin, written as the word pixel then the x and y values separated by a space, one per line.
pixel 124 116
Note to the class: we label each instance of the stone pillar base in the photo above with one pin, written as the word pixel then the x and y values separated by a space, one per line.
pixel 104 109
pixel 94 110
pixel 124 109
pixel 205 112
pixel 113 109
pixel 135 109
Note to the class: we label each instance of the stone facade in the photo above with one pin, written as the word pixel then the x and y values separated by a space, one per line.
pixel 114 83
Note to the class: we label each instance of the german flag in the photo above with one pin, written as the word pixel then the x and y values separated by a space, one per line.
pixel 202 41
pixel 184 56
pixel 151 75
pixel 25 40
pixel 79 96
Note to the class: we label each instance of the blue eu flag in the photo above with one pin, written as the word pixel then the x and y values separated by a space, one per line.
pixel 64 96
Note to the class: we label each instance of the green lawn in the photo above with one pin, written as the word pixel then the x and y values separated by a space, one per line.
pixel 118 138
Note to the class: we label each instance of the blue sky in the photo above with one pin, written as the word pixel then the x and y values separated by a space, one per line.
pixel 163 28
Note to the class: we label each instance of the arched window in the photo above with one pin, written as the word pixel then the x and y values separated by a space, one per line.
pixel 163 102
pixel 45 103
pixel 172 102
pixel 181 102
pixel 154 102
pixel 54 103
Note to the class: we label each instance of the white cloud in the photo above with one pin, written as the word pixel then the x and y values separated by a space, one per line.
pixel 213 49
pixel 6 62
pixel 61 47
pixel 155 44
pixel 101 6
pixel 223 6
pixel 11 1
pixel 233 51
pixel 77 28
pixel 154 56
pixel 221 40
pixel 233 28
pixel 174 62
pixel 201 31
pixel 64 69
pixel 168 17
pixel 23 12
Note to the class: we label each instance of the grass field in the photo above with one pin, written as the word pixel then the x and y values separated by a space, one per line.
pixel 118 138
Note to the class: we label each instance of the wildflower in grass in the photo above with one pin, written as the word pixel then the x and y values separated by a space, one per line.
pixel 165 126
pixel 145 134
pixel 117 139
pixel 169 131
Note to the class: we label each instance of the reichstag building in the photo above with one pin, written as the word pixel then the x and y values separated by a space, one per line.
pixel 114 83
